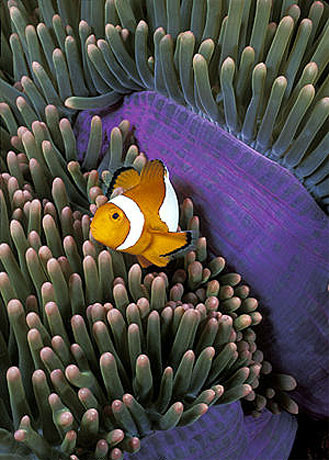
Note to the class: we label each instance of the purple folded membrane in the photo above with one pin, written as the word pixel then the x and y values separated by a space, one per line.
pixel 263 221
pixel 224 433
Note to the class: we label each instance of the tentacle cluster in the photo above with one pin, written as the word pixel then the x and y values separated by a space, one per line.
pixel 256 68
pixel 95 353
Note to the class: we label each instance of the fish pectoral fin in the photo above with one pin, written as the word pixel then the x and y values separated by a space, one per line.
pixel 170 243
pixel 126 178
pixel 156 225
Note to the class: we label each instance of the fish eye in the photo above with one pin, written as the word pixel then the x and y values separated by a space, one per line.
pixel 115 216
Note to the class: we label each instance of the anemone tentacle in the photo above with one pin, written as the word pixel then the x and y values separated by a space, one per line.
pixel 263 79
pixel 109 354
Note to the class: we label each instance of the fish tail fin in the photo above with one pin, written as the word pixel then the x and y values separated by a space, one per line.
pixel 180 242
pixel 164 246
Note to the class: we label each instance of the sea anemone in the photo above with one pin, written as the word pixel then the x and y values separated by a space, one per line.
pixel 105 354
pixel 247 73
pixel 255 69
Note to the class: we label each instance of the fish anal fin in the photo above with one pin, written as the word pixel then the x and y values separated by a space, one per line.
pixel 125 178
pixel 153 259
pixel 143 262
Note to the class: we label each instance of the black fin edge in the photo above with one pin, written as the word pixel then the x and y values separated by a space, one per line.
pixel 188 243
pixel 114 178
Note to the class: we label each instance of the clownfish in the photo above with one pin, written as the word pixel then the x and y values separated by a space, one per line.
pixel 143 219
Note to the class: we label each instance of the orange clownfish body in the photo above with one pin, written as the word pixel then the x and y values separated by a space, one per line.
pixel 143 220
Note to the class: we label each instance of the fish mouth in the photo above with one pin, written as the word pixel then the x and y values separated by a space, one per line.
pixel 93 229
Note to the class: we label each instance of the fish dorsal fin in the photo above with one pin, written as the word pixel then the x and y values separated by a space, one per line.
pixel 151 193
pixel 126 178
pixel 152 173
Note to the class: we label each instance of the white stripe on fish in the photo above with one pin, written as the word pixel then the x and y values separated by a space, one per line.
pixel 135 217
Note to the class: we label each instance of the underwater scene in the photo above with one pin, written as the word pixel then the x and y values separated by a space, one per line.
pixel 164 230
